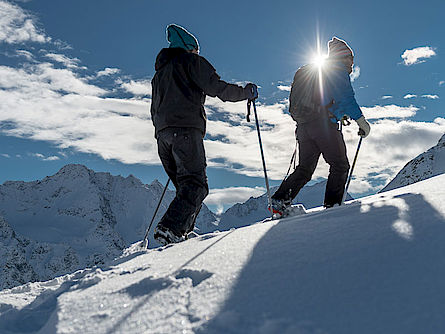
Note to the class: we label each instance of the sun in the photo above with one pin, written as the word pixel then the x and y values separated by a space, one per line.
pixel 319 60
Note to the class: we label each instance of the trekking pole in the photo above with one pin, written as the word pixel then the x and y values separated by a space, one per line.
pixel 292 161
pixel 352 169
pixel 269 199
pixel 144 243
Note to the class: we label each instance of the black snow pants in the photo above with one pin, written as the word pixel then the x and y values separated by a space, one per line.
pixel 182 154
pixel 320 136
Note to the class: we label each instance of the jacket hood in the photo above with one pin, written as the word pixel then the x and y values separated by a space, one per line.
pixel 166 55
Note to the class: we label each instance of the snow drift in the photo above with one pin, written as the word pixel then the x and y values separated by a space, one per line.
pixel 374 265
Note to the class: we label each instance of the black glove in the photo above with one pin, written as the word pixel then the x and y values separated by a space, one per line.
pixel 251 91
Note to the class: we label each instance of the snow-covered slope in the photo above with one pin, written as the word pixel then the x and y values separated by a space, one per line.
pixel 74 219
pixel 426 165
pixel 374 265
pixel 255 208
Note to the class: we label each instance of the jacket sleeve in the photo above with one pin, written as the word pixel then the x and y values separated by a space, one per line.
pixel 205 77
pixel 344 97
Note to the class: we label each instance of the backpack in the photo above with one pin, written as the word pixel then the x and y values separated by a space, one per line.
pixel 305 96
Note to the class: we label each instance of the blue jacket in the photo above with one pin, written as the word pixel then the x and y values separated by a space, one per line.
pixel 338 94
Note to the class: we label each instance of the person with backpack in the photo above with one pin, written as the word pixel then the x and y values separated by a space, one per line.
pixel 321 99
pixel 182 80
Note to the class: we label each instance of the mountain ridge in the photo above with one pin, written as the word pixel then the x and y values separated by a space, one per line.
pixel 427 164
pixel 74 219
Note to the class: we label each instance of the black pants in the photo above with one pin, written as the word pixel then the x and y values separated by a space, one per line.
pixel 317 137
pixel 182 154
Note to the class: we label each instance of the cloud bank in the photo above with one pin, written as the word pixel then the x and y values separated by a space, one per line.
pixel 60 106
pixel 58 101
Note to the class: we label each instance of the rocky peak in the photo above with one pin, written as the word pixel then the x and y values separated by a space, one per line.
pixel 424 166
pixel 74 219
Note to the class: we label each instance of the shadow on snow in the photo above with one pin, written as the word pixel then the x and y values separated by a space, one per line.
pixel 337 272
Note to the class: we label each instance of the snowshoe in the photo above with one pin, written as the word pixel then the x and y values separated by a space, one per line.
pixel 295 210
pixel 278 208
pixel 281 209
pixel 165 236
pixel 191 235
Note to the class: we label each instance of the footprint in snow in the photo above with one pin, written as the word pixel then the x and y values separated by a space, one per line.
pixel 197 276
pixel 147 286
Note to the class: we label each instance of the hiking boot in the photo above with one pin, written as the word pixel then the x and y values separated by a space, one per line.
pixel 279 208
pixel 165 236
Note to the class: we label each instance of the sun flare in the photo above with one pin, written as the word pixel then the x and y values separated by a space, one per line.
pixel 319 60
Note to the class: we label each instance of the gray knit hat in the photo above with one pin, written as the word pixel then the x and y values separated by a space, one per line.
pixel 338 48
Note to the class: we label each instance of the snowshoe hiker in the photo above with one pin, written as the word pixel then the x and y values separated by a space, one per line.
pixel 320 98
pixel 182 80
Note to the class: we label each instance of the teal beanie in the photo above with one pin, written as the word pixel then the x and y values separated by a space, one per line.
pixel 178 37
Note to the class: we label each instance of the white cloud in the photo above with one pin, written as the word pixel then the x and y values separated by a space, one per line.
pixel 24 53
pixel 137 87
pixel 359 186
pixel 355 73
pixel 389 111
pixel 68 62
pixel 43 78
pixel 108 71
pixel 386 97
pixel 17 26
pixel 417 55
pixel 56 105
pixel 409 96
pixel 284 88
pixel 52 158
pixel 431 97
pixel 232 195
pixel 5 155
pixel 44 158
pixel 441 83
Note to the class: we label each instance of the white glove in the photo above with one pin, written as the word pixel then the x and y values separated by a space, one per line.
pixel 364 127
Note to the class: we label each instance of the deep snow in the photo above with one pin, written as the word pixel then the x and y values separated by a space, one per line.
pixel 375 265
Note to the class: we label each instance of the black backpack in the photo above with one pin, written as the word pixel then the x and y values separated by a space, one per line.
pixel 305 96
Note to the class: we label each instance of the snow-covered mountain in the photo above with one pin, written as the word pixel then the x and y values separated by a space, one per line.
pixel 426 165
pixel 74 219
pixel 255 208
pixel 374 265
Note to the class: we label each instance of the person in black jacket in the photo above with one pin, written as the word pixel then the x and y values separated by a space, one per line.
pixel 182 80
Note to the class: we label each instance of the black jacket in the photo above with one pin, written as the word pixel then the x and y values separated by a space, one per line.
pixel 180 85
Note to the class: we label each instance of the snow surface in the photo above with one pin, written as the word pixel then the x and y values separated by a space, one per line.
pixel 374 265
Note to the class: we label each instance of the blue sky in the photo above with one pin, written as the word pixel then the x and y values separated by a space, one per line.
pixel 75 84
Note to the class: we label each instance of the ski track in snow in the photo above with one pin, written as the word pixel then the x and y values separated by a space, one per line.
pixel 374 265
